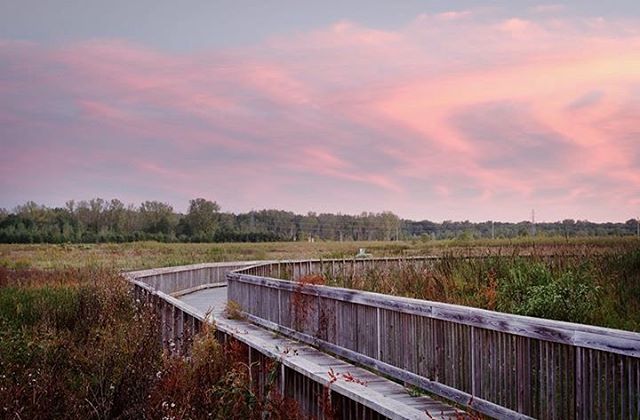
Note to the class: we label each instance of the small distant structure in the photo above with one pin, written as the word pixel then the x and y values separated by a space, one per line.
pixel 362 253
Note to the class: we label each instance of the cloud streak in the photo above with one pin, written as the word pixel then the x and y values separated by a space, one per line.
pixel 453 116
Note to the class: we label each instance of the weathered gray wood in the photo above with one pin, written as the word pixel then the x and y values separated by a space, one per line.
pixel 447 392
pixel 484 354
pixel 310 376
pixel 500 362
pixel 600 338
pixel 197 288
pixel 175 279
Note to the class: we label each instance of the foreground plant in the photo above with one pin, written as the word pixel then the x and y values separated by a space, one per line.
pixel 76 344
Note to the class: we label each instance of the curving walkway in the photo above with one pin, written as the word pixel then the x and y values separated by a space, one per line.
pixel 386 397
pixel 213 299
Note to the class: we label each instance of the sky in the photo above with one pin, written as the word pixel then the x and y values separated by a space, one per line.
pixel 439 110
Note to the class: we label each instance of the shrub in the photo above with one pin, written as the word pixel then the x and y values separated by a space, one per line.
pixel 75 344
pixel 532 289
pixel 233 310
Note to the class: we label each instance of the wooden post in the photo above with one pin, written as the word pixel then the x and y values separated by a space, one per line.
pixel 474 389
pixel 578 384
pixel 378 333
pixel 163 322
pixel 283 379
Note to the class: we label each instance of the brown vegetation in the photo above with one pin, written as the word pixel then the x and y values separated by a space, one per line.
pixel 302 302
pixel 75 344
pixel 592 285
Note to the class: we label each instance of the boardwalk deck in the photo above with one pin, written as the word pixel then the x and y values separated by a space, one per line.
pixel 382 395
pixel 500 365
pixel 212 299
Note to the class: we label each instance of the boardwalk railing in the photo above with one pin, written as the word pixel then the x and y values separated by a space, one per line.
pixel 309 388
pixel 179 323
pixel 498 364
pixel 188 278
pixel 334 268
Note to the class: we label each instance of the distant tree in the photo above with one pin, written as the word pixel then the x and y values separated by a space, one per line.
pixel 157 217
pixel 131 219
pixel 201 220
pixel 70 205
pixel 390 223
pixel 92 214
pixel 115 216
pixel 32 211
pixel 568 226
pixel 99 220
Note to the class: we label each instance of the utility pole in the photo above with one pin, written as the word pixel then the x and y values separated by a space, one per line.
pixel 493 231
pixel 533 222
pixel 638 227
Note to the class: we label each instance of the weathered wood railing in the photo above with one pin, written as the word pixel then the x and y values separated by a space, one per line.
pixel 179 323
pixel 333 268
pixel 186 279
pixel 499 364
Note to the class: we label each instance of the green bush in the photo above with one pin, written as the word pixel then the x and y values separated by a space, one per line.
pixel 533 289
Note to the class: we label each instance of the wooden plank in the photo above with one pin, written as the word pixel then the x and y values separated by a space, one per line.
pixel 579 390
pixel 520 379
pixel 630 394
pixel 367 340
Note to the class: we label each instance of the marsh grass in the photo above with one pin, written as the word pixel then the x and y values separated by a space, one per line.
pixel 75 344
pixel 583 284
pixel 139 255
pixel 215 382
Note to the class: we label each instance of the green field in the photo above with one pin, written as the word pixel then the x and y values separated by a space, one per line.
pixel 585 280
pixel 138 255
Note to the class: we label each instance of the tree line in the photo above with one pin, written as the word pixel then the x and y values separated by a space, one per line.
pixel 99 220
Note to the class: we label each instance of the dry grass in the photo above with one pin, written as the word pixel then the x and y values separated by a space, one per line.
pixel 75 344
pixel 599 286
pixel 233 310
pixel 139 255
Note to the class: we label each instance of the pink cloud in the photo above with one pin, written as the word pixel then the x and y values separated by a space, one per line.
pixel 416 120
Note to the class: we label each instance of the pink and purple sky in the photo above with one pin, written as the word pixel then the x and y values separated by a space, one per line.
pixel 433 110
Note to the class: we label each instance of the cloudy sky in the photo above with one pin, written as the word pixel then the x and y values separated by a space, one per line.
pixel 430 109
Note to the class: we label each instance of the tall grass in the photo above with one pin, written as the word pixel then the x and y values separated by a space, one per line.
pixel 585 285
pixel 138 255
pixel 75 344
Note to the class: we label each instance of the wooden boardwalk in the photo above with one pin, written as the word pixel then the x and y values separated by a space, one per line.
pixel 386 397
pixel 496 364
pixel 212 300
